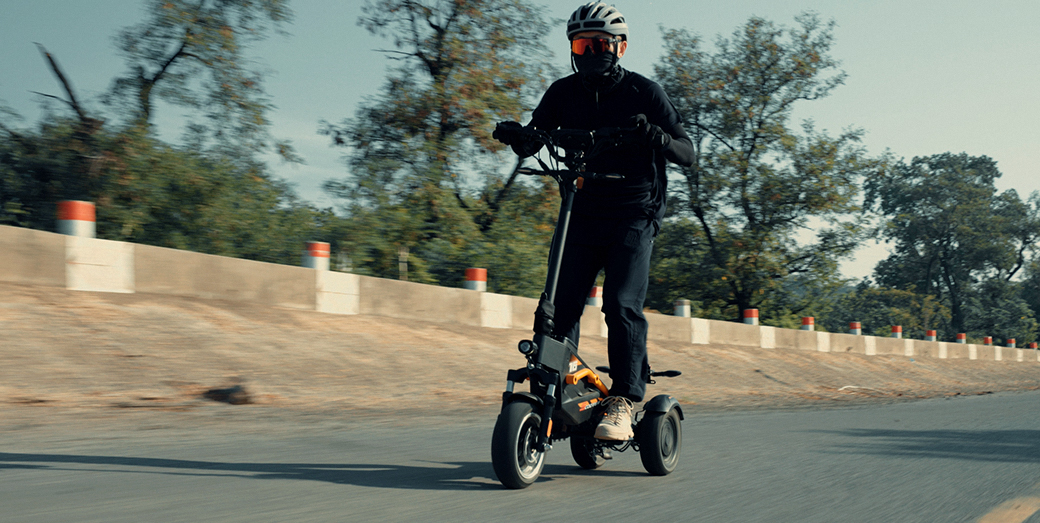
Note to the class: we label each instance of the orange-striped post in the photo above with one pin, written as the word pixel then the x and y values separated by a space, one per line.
pixel 316 256
pixel 987 340
pixel 595 298
pixel 683 309
pixel 856 328
pixel 808 323
pixel 751 316
pixel 930 336
pixel 1011 343
pixel 77 218
pixel 962 337
pixel 476 279
pixel 897 331
pixel 1032 345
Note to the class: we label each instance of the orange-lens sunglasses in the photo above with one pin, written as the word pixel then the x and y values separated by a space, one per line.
pixel 597 45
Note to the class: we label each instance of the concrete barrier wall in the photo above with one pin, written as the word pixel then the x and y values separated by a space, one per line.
pixel 42 258
pixel 796 339
pixel 730 333
pixel 337 292
pixel 523 312
pixel 184 273
pixel 32 257
pixel 593 322
pixel 848 343
pixel 99 265
pixel 669 328
pixel 414 301
pixel 985 352
pixel 957 351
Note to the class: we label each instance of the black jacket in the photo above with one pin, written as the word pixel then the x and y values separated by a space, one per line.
pixel 571 104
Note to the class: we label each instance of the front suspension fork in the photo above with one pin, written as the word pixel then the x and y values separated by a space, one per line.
pixel 545 436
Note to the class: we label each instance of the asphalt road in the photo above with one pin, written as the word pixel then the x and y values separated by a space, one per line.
pixel 952 460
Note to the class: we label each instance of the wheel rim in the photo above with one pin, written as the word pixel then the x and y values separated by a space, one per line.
pixel 528 458
pixel 670 440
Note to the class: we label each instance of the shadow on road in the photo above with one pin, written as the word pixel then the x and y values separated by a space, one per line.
pixel 1016 446
pixel 435 476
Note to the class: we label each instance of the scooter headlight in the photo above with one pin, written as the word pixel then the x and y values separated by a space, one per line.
pixel 526 347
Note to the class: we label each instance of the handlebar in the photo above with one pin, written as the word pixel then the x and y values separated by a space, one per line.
pixel 578 145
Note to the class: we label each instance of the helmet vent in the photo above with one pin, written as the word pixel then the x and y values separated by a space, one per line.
pixel 597 23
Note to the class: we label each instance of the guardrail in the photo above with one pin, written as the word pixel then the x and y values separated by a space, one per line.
pixel 88 264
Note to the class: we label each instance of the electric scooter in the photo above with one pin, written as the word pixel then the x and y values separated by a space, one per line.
pixel 564 398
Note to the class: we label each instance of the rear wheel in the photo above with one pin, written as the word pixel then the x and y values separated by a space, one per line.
pixel 514 453
pixel 660 440
pixel 583 450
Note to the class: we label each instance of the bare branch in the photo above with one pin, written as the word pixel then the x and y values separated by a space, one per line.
pixel 58 98
pixel 64 82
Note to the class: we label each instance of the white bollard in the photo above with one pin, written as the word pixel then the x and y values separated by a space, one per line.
pixel 962 337
pixel 808 323
pixel 316 256
pixel 77 218
pixel 751 316
pixel 856 328
pixel 476 279
pixel 682 308
pixel 930 336
pixel 897 331
pixel 595 298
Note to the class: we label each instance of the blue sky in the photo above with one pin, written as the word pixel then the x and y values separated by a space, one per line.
pixel 925 76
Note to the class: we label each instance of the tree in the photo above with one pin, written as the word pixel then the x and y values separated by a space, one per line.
pixel 757 183
pixel 951 228
pixel 220 199
pixel 879 308
pixel 190 54
pixel 996 308
pixel 423 168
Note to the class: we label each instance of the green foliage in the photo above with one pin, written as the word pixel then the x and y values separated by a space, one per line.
pixel 218 199
pixel 424 172
pixel 150 192
pixel 879 308
pixel 996 308
pixel 757 183
pixel 952 230
pixel 190 54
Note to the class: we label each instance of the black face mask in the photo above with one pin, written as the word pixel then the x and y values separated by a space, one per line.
pixel 594 65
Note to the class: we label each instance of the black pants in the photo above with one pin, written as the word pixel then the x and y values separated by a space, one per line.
pixel 621 248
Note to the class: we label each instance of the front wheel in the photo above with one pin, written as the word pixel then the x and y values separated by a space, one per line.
pixel 660 440
pixel 514 453
pixel 583 450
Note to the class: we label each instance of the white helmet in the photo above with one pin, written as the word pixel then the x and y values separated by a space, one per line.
pixel 597 16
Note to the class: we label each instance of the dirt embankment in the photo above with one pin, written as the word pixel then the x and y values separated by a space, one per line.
pixel 75 351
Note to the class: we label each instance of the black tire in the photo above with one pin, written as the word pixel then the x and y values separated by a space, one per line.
pixel 660 442
pixel 584 452
pixel 516 461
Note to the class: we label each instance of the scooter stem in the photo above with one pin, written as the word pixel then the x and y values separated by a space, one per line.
pixel 552 276
pixel 544 323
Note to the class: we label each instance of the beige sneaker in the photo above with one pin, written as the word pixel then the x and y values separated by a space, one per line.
pixel 617 420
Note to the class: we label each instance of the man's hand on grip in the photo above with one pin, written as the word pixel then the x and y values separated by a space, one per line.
pixel 512 134
pixel 507 132
pixel 653 136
